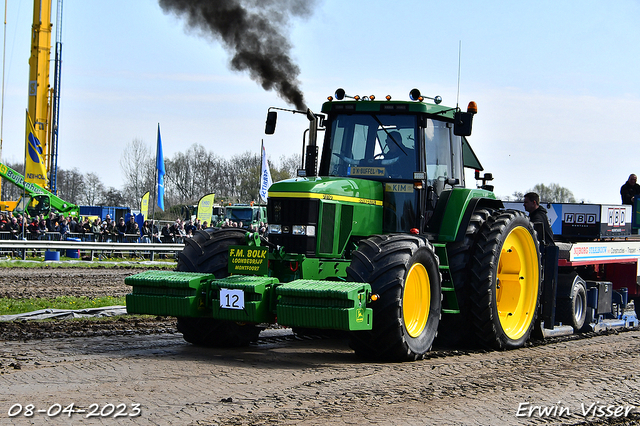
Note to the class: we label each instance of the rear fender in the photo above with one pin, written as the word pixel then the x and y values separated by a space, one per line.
pixel 454 209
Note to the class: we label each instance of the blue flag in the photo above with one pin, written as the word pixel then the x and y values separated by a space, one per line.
pixel 160 167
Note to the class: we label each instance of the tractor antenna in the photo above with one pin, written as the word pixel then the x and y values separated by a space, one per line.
pixel 459 56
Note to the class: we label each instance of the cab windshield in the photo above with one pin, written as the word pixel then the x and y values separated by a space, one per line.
pixel 34 205
pixel 39 204
pixel 241 214
pixel 373 146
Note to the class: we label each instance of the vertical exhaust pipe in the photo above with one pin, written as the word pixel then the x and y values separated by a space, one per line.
pixel 311 157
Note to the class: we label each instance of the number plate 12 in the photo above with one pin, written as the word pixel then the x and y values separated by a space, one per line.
pixel 231 299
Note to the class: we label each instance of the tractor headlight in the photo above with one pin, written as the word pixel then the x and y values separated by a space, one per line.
pixel 308 230
pixel 275 229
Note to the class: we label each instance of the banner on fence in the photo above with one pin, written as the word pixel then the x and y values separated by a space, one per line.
pixel 144 205
pixel 205 208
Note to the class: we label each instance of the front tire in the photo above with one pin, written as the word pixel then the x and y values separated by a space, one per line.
pixel 207 252
pixel 505 281
pixel 403 272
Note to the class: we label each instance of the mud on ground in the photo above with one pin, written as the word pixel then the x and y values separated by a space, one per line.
pixel 126 361
pixel 27 283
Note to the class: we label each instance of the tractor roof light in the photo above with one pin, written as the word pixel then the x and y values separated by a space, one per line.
pixel 415 95
pixel 356 97
pixel 372 97
pixel 340 94
pixel 472 107
pixel 388 97
pixel 330 98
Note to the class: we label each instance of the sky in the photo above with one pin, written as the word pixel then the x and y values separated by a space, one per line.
pixel 556 83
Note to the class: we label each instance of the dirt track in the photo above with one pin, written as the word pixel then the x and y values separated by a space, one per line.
pixel 286 380
pixel 18 283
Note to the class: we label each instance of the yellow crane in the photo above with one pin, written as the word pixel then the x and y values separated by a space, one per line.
pixel 39 111
pixel 42 110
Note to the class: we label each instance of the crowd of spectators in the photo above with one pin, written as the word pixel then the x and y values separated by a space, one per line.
pixel 179 230
pixel 18 226
pixel 59 227
pixel 262 228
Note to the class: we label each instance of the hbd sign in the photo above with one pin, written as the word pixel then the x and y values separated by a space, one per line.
pixel 580 218
pixel 616 216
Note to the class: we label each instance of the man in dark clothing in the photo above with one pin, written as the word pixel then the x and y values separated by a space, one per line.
pixel 131 228
pixel 33 228
pixel 14 228
pixel 121 230
pixel 538 214
pixel 630 190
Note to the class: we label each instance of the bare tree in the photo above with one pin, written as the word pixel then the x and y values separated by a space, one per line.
pixel 286 168
pixel 212 174
pixel 195 173
pixel 112 197
pixel 11 192
pixel 554 193
pixel 179 179
pixel 246 171
pixel 518 196
pixel 70 185
pixel 93 189
pixel 138 168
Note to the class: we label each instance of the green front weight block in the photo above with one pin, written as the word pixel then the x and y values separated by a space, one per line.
pixel 179 294
pixel 243 298
pixel 333 305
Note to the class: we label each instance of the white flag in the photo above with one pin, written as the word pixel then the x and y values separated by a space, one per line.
pixel 265 176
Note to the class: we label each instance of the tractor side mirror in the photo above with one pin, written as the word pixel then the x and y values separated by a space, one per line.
pixel 270 127
pixel 462 123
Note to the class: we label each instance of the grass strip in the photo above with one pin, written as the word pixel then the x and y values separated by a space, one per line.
pixel 20 306
pixel 117 264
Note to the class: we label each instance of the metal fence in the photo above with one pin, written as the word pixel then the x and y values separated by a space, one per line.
pixel 85 246
pixel 89 236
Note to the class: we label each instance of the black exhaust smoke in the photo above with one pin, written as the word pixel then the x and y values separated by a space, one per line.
pixel 253 33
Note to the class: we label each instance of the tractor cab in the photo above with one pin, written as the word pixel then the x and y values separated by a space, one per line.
pixel 400 144
pixel 247 214
pixel 35 205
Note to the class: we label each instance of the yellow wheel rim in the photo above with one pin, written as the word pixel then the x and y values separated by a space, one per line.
pixel 416 300
pixel 517 284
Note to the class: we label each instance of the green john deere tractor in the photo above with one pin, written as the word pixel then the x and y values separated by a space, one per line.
pixel 381 240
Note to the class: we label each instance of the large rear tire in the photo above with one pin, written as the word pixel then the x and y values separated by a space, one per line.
pixel 207 252
pixel 403 272
pixel 505 281
pixel 454 329
pixel 572 301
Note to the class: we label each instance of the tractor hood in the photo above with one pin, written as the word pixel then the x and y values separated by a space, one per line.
pixel 318 216
pixel 339 189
